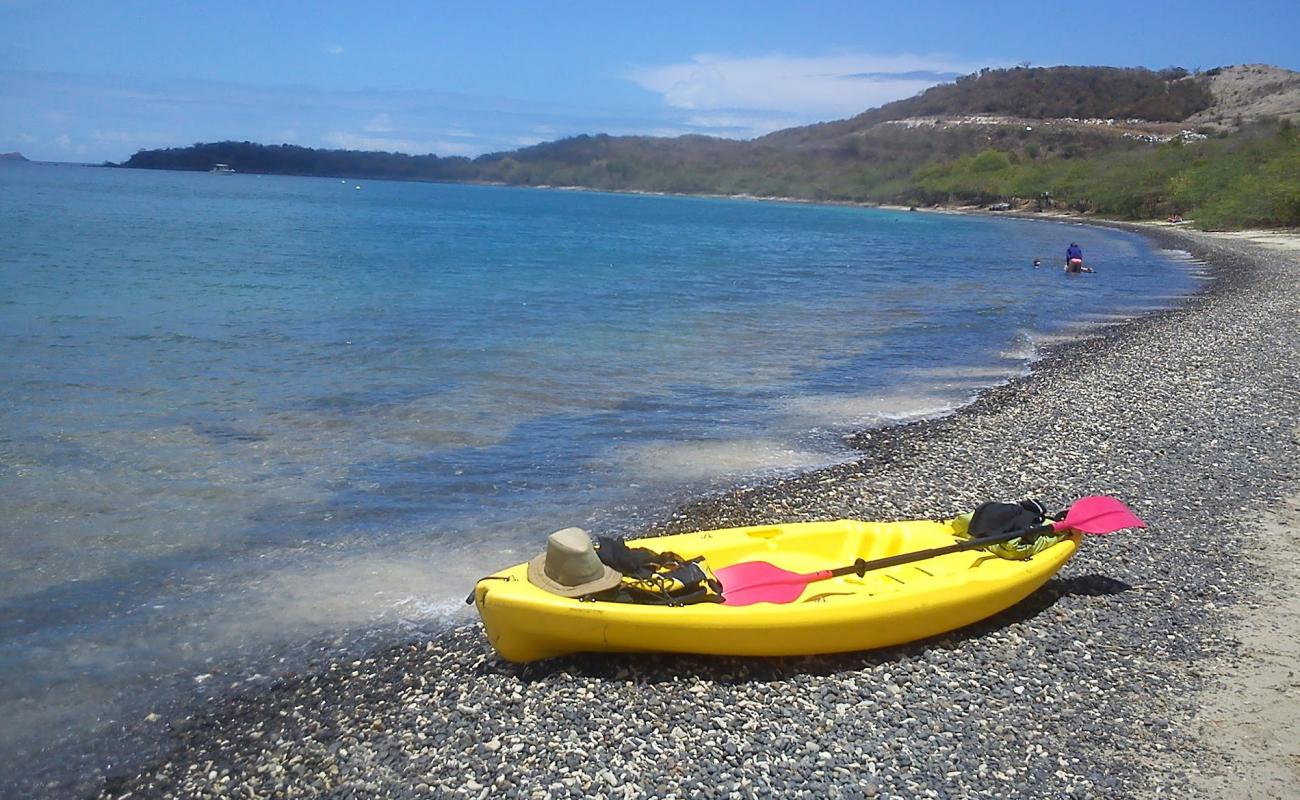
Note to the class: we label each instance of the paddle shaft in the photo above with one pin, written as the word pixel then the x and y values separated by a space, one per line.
pixel 760 582
pixel 861 567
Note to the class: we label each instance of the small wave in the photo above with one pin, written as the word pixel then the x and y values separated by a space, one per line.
pixel 1191 265
pixel 1024 347
pixel 1043 339
pixel 418 585
pixel 678 462
pixel 1111 319
pixel 966 375
pixel 869 410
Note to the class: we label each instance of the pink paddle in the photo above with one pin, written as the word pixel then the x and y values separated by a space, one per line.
pixel 760 582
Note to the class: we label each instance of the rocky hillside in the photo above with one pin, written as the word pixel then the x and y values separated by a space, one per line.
pixel 1035 113
pixel 1249 92
pixel 1069 93
pixel 1074 110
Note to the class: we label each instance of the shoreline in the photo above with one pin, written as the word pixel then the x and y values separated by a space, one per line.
pixel 1056 214
pixel 1107 656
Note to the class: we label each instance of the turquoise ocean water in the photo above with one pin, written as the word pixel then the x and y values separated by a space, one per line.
pixel 243 418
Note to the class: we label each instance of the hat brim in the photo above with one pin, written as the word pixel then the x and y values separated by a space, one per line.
pixel 538 577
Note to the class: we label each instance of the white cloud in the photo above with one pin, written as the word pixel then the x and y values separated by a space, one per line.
pixel 457 132
pixel 743 125
pixel 807 87
pixel 447 147
pixel 380 123
pixel 437 146
pixel 664 132
pixel 332 49
pixel 70 146
pixel 357 141
pixel 134 138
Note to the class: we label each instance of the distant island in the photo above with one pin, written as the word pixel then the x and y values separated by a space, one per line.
pixel 12 157
pixel 1219 146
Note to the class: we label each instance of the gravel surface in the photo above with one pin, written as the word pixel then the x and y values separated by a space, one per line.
pixel 1086 689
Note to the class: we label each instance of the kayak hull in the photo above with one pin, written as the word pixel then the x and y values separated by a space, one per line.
pixel 882 608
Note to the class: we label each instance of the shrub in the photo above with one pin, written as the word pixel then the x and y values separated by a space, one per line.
pixel 991 161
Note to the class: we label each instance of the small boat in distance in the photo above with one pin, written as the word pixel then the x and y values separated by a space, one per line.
pixel 222 169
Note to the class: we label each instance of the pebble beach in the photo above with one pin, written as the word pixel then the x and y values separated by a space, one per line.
pixel 1095 686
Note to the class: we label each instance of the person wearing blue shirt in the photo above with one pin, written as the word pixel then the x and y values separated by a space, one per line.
pixel 1074 259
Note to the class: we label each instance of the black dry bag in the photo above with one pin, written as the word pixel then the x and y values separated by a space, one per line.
pixel 992 518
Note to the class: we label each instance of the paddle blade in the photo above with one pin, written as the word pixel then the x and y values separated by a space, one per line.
pixel 1099 515
pixel 761 582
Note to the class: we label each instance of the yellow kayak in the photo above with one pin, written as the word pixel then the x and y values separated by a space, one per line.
pixel 882 607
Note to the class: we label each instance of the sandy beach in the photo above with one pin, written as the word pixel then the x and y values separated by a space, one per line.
pixel 1159 663
pixel 1250 715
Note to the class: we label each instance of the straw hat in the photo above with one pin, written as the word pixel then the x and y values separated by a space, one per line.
pixel 570 566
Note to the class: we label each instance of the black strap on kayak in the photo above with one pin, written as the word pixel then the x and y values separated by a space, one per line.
pixel 637 562
pixel 651 578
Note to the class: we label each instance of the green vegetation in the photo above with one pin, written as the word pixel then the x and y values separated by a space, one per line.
pixel 1247 178
pixel 287 159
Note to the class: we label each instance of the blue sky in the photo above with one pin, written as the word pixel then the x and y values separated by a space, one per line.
pixel 95 81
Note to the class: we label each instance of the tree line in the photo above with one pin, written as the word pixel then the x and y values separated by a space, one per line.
pixel 1246 177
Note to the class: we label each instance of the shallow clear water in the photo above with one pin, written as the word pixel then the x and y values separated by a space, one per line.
pixel 241 413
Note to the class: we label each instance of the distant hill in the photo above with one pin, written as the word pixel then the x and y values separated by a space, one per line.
pixel 1040 93
pixel 1030 116
pixel 1094 139
pixel 12 157
pixel 288 159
